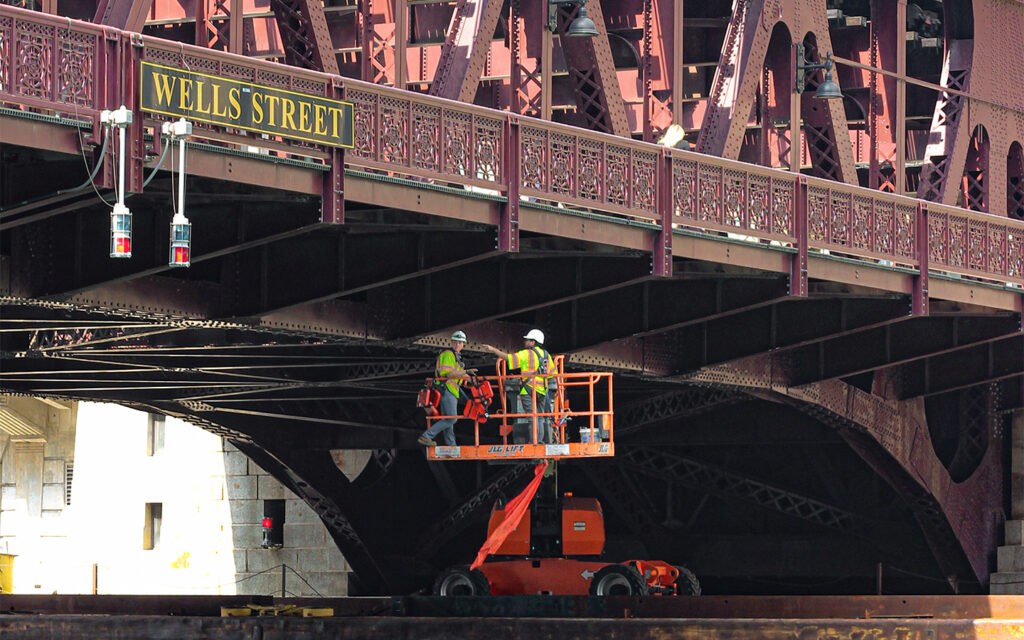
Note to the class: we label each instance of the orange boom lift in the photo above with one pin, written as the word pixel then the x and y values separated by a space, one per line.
pixel 543 542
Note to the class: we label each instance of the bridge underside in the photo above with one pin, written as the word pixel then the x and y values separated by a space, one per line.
pixel 771 443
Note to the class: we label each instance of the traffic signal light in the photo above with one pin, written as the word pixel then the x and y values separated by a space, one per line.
pixel 273 524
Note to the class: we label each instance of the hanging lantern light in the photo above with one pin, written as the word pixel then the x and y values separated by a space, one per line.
pixel 181 241
pixel 181 228
pixel 120 215
pixel 120 232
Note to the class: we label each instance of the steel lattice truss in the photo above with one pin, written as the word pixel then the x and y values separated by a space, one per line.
pixel 455 522
pixel 673 405
pixel 619 492
pixel 672 467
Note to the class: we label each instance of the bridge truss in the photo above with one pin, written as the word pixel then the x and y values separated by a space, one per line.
pixel 791 331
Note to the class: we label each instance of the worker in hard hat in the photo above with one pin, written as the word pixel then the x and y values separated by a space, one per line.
pixel 450 370
pixel 537 366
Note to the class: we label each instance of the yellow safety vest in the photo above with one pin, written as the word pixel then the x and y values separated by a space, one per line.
pixel 533 361
pixel 448 365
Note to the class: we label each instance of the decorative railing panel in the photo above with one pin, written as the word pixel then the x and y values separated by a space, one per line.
pixel 412 134
pixel 723 196
pixel 50 63
pixel 572 166
pixel 861 223
pixel 975 244
pixel 190 58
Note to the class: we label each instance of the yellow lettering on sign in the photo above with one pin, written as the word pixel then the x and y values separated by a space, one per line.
pixel 200 107
pixel 234 108
pixel 272 101
pixel 184 97
pixel 164 85
pixel 257 108
pixel 218 110
pixel 319 115
pixel 288 113
pixel 335 115
pixel 304 125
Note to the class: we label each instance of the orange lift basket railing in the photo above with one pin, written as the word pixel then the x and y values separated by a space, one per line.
pixel 492 430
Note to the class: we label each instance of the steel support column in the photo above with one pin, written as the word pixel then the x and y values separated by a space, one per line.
pixel 129 15
pixel 305 34
pixel 946 153
pixel 466 49
pixel 739 77
pixel 508 223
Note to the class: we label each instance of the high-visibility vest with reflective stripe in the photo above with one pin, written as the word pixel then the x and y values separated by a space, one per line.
pixel 447 366
pixel 529 361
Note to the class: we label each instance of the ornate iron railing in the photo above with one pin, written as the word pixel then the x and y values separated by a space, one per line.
pixel 972 243
pixel 862 223
pixel 67 67
pixel 708 194
pixel 54 63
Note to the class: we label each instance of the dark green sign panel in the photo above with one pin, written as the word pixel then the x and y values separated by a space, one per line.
pixel 244 105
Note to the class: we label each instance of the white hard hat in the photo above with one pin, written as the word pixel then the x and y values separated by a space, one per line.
pixel 459 336
pixel 535 334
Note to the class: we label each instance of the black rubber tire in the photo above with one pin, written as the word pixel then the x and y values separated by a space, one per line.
pixel 687 583
pixel 460 581
pixel 618 580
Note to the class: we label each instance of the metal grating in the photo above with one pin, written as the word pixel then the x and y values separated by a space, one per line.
pixel 69 474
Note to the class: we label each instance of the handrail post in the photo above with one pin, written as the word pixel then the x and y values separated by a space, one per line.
pixel 107 92
pixel 332 208
pixel 662 258
pixel 508 222
pixel 533 393
pixel 798 266
pixel 920 293
pixel 130 98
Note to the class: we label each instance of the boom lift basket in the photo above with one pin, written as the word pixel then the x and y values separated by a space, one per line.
pixel 496 442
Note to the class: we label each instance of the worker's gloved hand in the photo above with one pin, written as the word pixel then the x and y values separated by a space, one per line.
pixel 471 371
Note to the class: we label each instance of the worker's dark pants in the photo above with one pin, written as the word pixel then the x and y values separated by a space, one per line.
pixel 549 421
pixel 522 430
pixel 449 407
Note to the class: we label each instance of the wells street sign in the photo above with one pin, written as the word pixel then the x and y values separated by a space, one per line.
pixel 244 105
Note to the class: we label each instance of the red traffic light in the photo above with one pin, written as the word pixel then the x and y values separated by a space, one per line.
pixel 268 523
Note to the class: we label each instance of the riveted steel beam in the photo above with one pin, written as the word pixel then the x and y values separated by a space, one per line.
pixel 895 344
pixel 660 306
pixel 599 104
pixel 466 49
pixel 975 365
pixel 675 468
pixel 617 492
pixel 635 416
pixel 354 265
pixel 950 515
pixel 786 324
pixel 878 429
pixel 129 15
pixel 512 285
pixel 305 34
pixel 739 76
pixel 946 153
